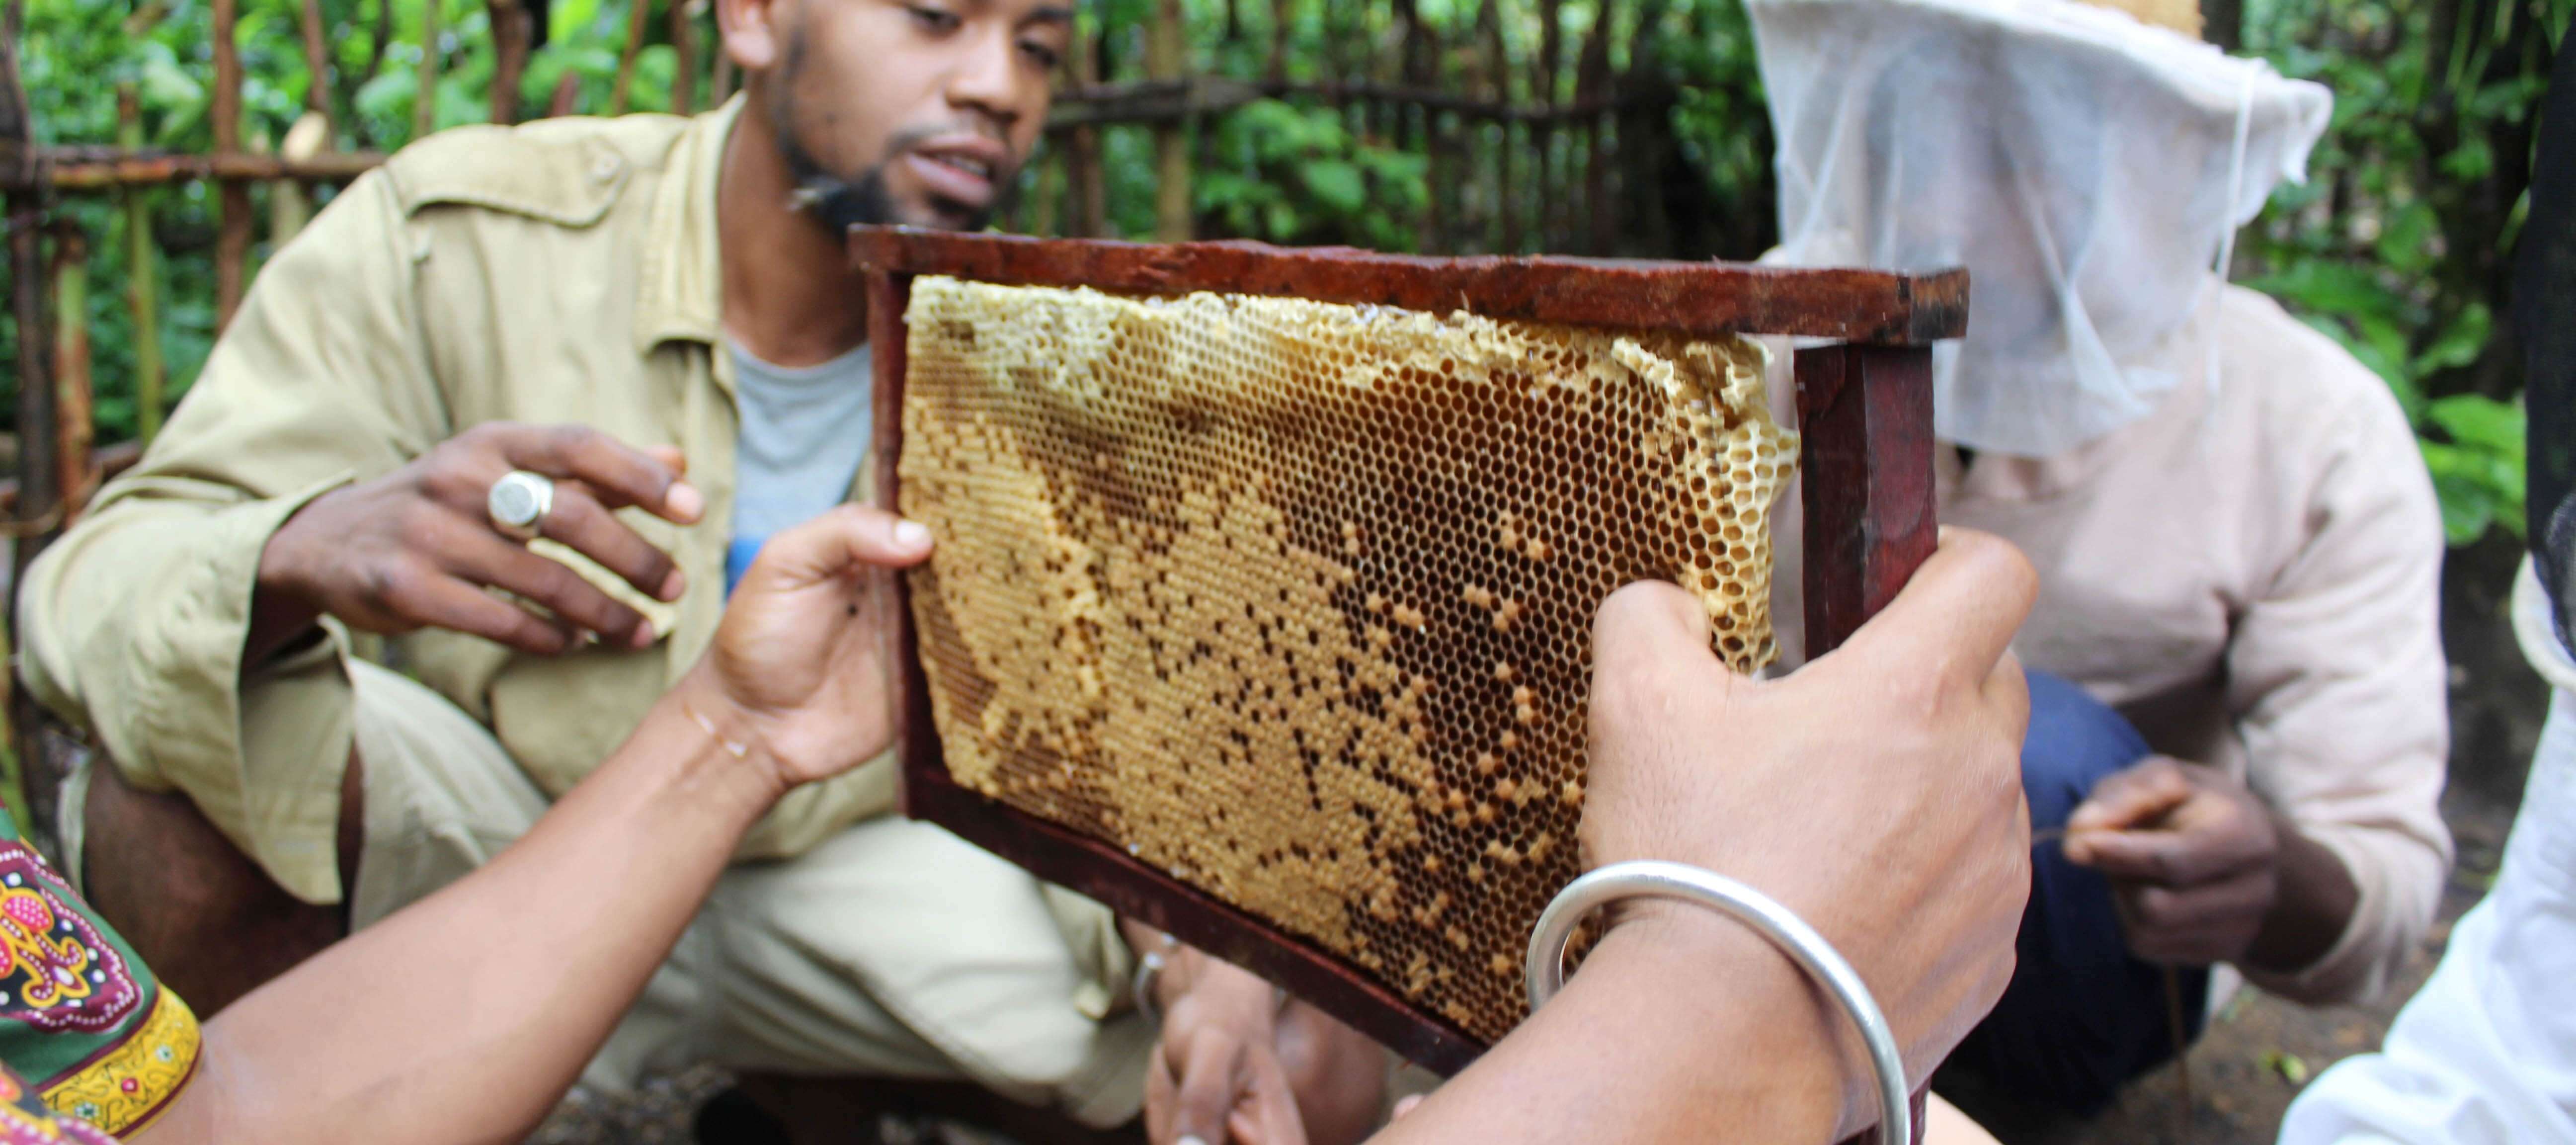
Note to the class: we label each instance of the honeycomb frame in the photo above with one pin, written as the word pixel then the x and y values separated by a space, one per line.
pixel 1864 408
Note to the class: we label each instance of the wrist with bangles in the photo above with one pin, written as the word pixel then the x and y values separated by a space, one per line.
pixel 1543 969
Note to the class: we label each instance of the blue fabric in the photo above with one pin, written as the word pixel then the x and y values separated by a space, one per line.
pixel 804 431
pixel 2081 1016
pixel 739 553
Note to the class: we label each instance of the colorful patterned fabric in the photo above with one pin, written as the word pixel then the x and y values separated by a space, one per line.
pixel 25 1119
pixel 84 1027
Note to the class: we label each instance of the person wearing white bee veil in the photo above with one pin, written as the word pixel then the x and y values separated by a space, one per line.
pixel 2238 686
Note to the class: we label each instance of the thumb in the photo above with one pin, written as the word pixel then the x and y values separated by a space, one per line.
pixel 1271 1116
pixel 1646 632
pixel 844 540
pixel 1649 645
pixel 2125 800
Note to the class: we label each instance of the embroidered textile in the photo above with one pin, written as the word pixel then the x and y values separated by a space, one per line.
pixel 83 1024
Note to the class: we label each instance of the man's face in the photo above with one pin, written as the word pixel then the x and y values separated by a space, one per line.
pixel 917 112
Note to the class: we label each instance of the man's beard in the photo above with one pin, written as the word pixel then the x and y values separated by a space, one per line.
pixel 841 203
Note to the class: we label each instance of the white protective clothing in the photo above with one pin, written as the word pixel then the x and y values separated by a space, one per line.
pixel 2487 1051
pixel 2087 169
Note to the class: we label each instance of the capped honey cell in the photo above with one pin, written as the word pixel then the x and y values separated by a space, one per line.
pixel 1293 600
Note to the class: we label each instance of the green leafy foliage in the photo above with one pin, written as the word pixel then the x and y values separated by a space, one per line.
pixel 1299 176
pixel 2399 247
pixel 77 53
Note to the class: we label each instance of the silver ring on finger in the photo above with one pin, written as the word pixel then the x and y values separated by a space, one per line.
pixel 519 502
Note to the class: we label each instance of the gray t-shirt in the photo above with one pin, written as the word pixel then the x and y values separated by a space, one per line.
pixel 804 432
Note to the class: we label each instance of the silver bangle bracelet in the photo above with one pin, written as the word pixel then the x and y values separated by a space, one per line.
pixel 1543 972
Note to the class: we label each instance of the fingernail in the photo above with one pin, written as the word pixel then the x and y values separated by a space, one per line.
pixel 914 535
pixel 1190 1139
pixel 643 637
pixel 684 500
pixel 672 586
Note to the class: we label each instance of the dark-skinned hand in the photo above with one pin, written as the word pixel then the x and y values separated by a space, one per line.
pixel 2192 856
pixel 416 548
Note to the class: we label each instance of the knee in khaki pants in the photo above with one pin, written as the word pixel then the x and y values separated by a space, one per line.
pixel 205 879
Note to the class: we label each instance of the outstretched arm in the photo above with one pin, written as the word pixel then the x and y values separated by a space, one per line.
pixel 1876 793
pixel 464 1017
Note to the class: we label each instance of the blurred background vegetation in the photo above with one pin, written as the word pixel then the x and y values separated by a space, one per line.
pixel 2399 245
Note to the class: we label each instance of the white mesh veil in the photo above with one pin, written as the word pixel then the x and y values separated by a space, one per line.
pixel 2085 168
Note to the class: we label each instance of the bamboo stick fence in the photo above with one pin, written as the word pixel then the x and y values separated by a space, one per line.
pixel 1517 162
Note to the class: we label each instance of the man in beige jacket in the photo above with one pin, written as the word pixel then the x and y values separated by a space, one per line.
pixel 2237 543
pixel 644 329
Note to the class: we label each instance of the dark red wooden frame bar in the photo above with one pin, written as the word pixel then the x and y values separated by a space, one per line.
pixel 1865 411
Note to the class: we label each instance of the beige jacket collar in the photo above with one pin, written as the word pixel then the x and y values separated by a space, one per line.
pixel 682 295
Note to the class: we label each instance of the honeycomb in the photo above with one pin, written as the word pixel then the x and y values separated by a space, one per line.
pixel 1293 600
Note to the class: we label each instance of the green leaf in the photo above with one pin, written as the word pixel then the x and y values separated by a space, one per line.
pixel 2407 241
pixel 389 95
pixel 1337 184
pixel 2460 344
pixel 2291 1067
pixel 2473 160
pixel 2345 290
pixel 2478 422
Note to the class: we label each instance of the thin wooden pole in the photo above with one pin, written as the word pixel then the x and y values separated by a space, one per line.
pixel 25 765
pixel 232 227
pixel 636 17
pixel 317 65
pixel 1083 172
pixel 511 31
pixel 1166 45
pixel 1507 192
pixel 72 395
pixel 424 107
pixel 1551 51
pixel 1592 84
pixel 290 205
pixel 684 54
pixel 1282 19
pixel 567 97
pixel 142 285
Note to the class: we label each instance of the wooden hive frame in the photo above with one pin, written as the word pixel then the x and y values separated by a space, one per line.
pixel 1864 411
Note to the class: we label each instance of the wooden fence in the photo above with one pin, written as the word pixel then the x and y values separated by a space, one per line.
pixel 1523 144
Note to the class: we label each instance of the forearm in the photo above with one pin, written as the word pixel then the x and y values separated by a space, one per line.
pixel 466 1016
pixel 2312 904
pixel 1674 1026
pixel 278 619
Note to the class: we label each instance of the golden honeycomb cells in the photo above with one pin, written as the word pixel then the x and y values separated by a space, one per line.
pixel 1293 601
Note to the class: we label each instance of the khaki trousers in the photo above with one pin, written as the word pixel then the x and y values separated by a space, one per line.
pixel 894 949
